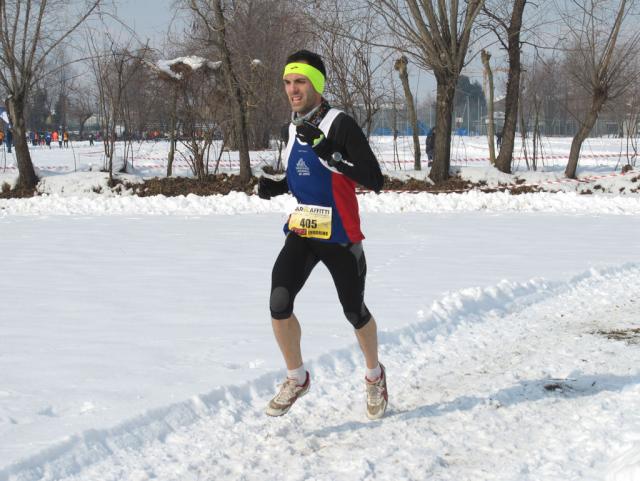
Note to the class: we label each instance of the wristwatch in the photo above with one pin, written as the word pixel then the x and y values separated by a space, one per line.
pixel 336 158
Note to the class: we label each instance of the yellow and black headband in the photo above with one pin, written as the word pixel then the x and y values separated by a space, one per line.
pixel 309 71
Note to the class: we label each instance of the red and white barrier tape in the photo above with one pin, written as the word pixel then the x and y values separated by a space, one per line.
pixel 486 159
pixel 581 180
pixel 500 187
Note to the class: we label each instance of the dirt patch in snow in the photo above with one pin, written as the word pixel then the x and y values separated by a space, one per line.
pixel 630 336
pixel 224 183
pixel 212 184
pixel 6 192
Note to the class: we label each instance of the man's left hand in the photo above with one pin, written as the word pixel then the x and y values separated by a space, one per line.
pixel 312 135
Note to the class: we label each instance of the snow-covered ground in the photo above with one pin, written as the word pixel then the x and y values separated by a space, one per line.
pixel 135 340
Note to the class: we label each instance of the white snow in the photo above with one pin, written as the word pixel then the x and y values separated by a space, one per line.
pixel 627 466
pixel 135 340
pixel 192 61
pixel 240 203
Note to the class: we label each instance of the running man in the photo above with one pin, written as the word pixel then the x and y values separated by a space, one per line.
pixel 326 155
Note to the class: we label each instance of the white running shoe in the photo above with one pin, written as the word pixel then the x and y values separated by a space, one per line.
pixel 377 396
pixel 288 394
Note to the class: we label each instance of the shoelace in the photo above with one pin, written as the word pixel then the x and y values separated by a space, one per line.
pixel 287 391
pixel 374 393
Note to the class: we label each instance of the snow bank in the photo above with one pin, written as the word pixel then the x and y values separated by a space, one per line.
pixel 240 203
pixel 84 183
pixel 443 317
pixel 194 62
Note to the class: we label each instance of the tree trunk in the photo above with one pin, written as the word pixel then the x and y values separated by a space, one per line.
pixel 444 111
pixel 486 56
pixel 370 114
pixel 238 105
pixel 576 144
pixel 239 116
pixel 394 126
pixel 401 67
pixel 523 135
pixel 172 132
pixel 112 148
pixel 27 178
pixel 505 156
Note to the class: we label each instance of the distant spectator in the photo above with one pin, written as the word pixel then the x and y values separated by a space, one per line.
pixel 499 139
pixel 430 146
pixel 91 138
pixel 65 138
pixel 54 136
pixel 47 139
pixel 9 140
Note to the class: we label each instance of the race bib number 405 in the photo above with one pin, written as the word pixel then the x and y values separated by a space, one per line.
pixel 311 221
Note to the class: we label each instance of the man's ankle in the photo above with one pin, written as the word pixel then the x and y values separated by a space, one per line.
pixel 299 375
pixel 374 374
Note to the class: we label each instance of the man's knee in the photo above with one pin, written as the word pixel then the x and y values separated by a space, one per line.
pixel 358 317
pixel 358 253
pixel 280 303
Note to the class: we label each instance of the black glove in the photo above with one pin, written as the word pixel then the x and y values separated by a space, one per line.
pixel 312 135
pixel 268 188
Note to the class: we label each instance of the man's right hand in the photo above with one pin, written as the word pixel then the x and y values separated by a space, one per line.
pixel 268 188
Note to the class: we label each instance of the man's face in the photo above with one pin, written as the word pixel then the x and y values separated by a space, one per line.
pixel 300 92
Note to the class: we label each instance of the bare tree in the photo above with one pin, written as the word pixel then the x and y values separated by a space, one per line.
pixel 38 107
pixel 508 35
pixel 543 106
pixel 545 95
pixel 29 31
pixel 114 66
pixel 136 100
pixel 486 57
pixel 523 125
pixel 172 85
pixel 83 105
pixel 401 66
pixel 200 98
pixel 394 126
pixel 630 125
pixel 213 16
pixel 197 97
pixel 357 81
pixel 436 34
pixel 58 84
pixel 597 62
pixel 548 80
pixel 258 60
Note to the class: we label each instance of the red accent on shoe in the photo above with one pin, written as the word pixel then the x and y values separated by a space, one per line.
pixel 306 380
